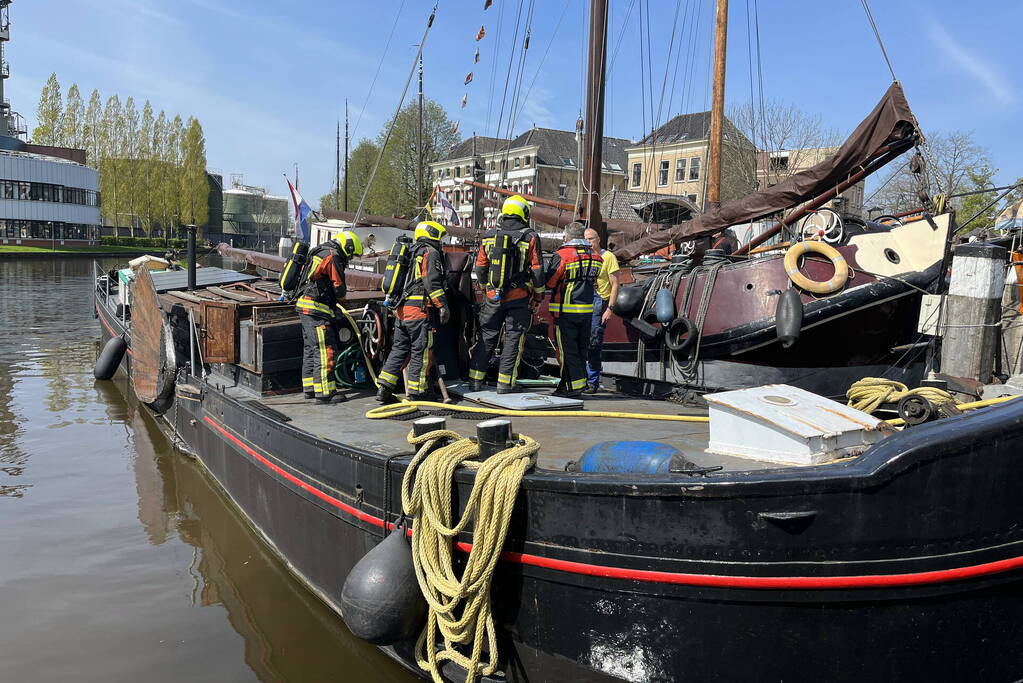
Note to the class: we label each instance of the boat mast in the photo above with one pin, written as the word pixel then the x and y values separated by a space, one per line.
pixel 419 140
pixel 717 111
pixel 337 168
pixel 593 135
pixel 346 154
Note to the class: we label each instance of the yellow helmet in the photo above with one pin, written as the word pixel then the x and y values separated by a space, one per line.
pixel 430 230
pixel 349 242
pixel 516 206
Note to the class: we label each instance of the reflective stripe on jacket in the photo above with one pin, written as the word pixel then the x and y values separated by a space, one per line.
pixel 425 288
pixel 572 278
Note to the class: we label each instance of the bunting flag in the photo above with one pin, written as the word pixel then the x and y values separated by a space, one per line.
pixel 487 4
pixel 483 32
pixel 476 59
pixel 465 100
pixel 468 79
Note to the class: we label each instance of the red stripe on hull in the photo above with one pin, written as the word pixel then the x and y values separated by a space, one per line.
pixel 651 576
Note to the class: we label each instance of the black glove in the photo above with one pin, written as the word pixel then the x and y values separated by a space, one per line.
pixel 444 315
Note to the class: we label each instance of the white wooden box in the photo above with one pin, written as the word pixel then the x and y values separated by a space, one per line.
pixel 780 423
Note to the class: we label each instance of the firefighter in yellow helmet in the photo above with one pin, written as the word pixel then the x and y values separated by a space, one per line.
pixel 324 287
pixel 509 268
pixel 422 308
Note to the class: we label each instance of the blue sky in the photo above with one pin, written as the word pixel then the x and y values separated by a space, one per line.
pixel 268 80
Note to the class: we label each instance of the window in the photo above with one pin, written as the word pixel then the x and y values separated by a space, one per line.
pixel 680 170
pixel 493 166
pixel 567 161
pixel 692 198
pixel 780 163
pixel 694 168
pixel 518 162
pixel 504 165
pixel 562 191
pixel 458 171
pixel 637 173
pixel 526 161
pixel 662 174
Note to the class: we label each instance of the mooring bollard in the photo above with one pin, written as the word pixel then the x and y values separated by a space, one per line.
pixel 971 320
pixel 425 425
pixel 494 436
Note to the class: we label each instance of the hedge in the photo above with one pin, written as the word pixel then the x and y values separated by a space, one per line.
pixel 143 242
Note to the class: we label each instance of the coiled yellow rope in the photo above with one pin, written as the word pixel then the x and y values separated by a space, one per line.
pixel 459 606
pixel 870 392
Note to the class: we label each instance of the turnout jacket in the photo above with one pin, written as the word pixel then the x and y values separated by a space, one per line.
pixel 572 277
pixel 531 279
pixel 325 285
pixel 425 288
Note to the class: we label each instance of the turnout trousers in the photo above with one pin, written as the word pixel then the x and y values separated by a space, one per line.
pixel 413 341
pixel 514 316
pixel 573 332
pixel 319 338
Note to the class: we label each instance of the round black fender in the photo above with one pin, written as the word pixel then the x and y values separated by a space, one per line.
pixel 630 301
pixel 681 334
pixel 110 358
pixel 380 600
pixel 788 317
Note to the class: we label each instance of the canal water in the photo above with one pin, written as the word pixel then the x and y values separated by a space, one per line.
pixel 120 560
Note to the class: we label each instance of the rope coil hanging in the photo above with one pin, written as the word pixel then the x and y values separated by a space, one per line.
pixel 459 605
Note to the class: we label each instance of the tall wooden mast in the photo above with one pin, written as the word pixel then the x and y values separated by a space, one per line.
pixel 717 110
pixel 593 134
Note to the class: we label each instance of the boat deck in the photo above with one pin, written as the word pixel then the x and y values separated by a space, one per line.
pixel 562 439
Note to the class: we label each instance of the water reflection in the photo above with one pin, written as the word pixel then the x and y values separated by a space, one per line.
pixel 119 558
pixel 290 635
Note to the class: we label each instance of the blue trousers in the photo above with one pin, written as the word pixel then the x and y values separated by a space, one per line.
pixel 593 363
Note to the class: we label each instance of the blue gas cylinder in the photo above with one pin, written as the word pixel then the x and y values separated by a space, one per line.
pixel 629 457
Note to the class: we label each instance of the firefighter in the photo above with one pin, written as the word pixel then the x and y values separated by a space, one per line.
pixel 422 308
pixel 509 269
pixel 571 278
pixel 322 290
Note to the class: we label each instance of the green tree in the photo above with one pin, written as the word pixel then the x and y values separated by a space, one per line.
pixel 170 175
pixel 360 163
pixel 93 129
pixel 72 121
pixel 110 155
pixel 144 170
pixel 194 188
pixel 403 158
pixel 48 113
pixel 128 165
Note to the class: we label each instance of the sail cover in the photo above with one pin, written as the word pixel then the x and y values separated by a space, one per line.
pixel 890 121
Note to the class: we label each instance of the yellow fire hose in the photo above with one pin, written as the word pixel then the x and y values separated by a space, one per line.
pixel 406 407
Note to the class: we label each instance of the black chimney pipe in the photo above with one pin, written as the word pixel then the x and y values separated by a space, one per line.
pixel 191 256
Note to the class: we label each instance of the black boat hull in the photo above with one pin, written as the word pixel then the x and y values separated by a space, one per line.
pixel 905 566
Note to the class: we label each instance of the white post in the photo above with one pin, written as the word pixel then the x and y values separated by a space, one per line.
pixel 973 311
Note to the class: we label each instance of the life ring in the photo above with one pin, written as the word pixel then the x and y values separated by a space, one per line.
pixel 836 282
pixel 673 338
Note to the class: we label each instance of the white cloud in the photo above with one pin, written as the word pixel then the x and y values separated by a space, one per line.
pixel 985 73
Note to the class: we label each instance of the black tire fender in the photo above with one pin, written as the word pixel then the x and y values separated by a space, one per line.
pixel 680 334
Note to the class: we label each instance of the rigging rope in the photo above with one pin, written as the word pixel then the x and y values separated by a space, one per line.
pixel 394 119
pixel 379 64
pixel 459 605
pixel 880 43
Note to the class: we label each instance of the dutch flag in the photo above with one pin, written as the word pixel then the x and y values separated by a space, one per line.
pixel 302 212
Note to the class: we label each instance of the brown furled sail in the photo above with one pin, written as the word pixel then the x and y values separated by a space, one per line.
pixel 890 122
